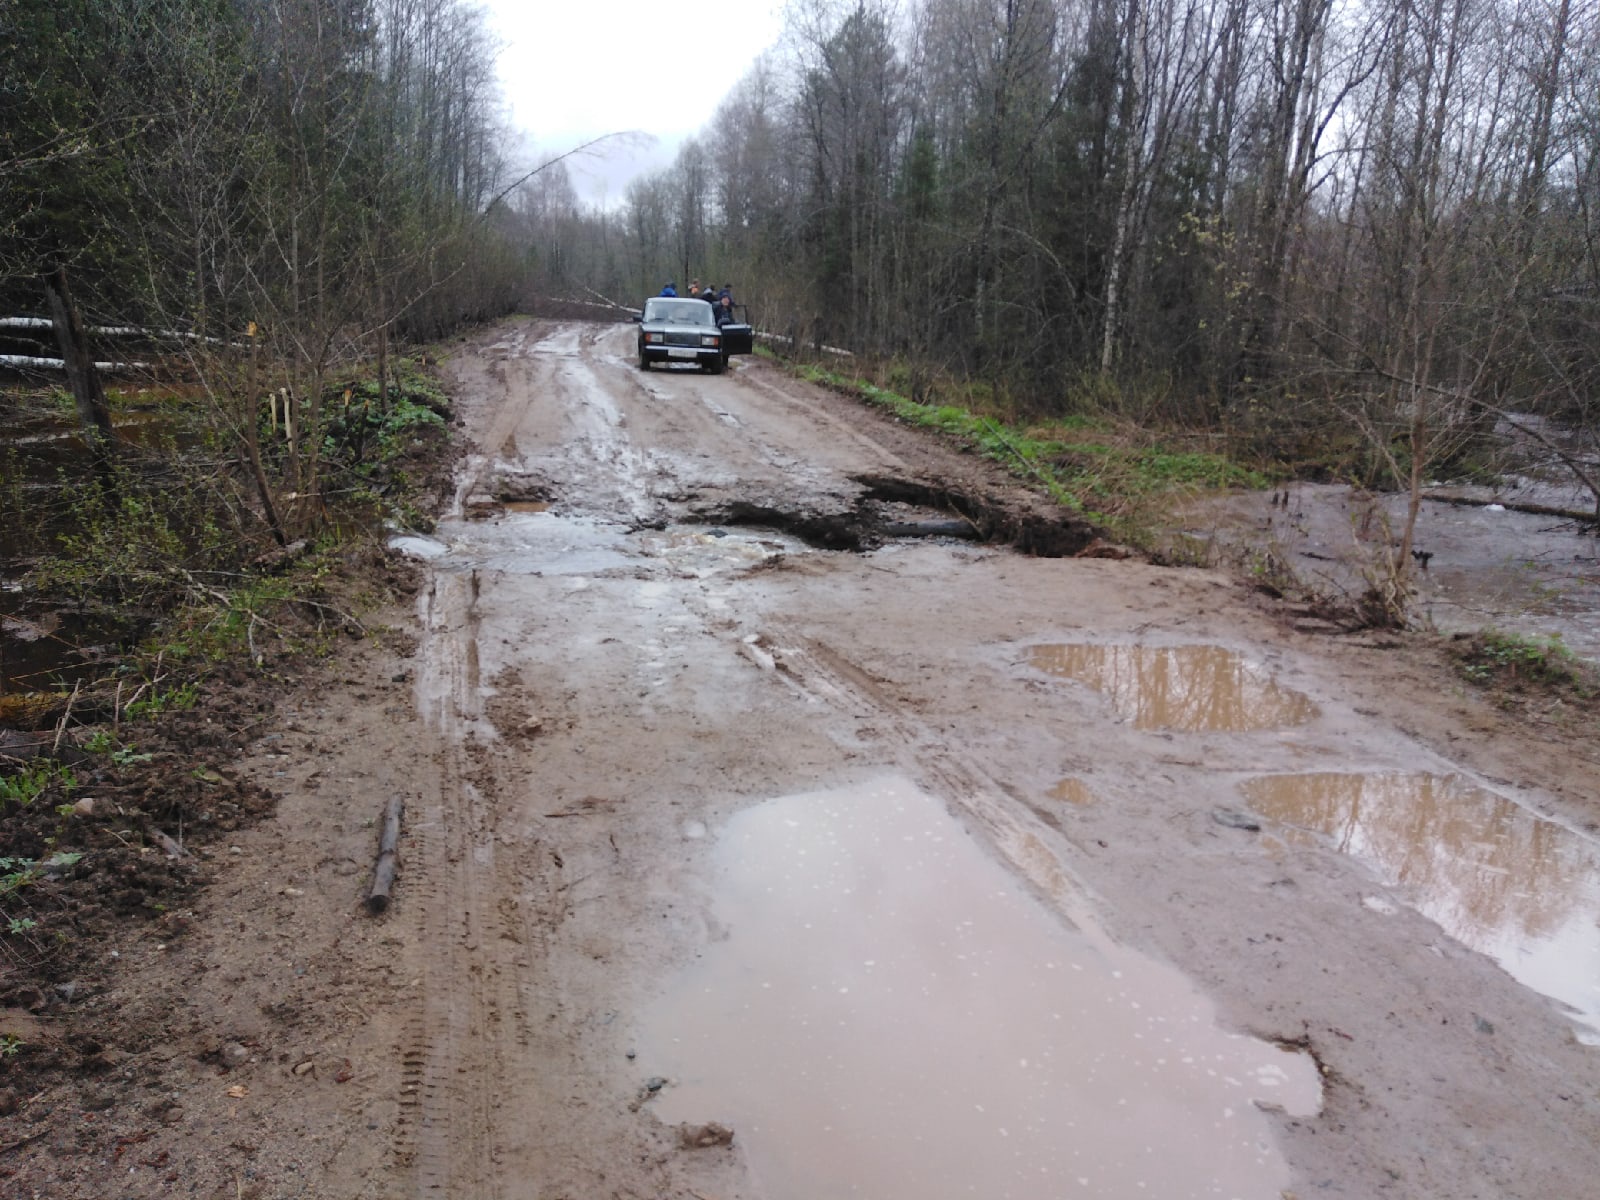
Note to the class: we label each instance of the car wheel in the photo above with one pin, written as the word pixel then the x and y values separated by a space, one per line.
pixel 715 365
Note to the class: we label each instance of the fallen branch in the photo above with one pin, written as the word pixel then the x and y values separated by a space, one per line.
pixel 22 1141
pixel 1537 510
pixel 61 725
pixel 388 860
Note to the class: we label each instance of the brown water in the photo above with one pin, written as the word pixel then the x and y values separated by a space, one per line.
pixel 1072 791
pixel 1195 689
pixel 892 1016
pixel 1495 876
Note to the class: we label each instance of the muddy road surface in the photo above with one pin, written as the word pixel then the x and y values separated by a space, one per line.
pixel 929 868
pixel 756 850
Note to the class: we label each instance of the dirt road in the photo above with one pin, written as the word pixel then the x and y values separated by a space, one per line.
pixel 925 867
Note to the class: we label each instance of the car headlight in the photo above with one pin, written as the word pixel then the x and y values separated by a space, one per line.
pixel 710 339
pixel 655 337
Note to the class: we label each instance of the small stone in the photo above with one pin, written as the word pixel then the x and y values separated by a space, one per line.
pixel 632 1054
pixel 291 891
pixel 1236 820
pixel 172 1114
pixel 1482 1025
pixel 307 1067
pixel 703 1137
pixel 84 807
pixel 233 1055
pixel 67 990
pixel 235 850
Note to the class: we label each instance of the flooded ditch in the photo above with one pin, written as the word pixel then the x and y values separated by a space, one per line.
pixel 1487 564
pixel 890 1014
pixel 1496 877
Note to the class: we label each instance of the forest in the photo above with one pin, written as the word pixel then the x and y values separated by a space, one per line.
pixel 1292 219
pixel 1284 220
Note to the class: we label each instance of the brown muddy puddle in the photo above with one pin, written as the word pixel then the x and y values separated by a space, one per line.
pixel 891 1015
pixel 1194 689
pixel 1492 874
pixel 1072 791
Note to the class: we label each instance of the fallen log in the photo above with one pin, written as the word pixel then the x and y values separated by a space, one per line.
pixel 388 860
pixel 1537 510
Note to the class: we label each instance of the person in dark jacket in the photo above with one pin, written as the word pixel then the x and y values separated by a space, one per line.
pixel 724 309
pixel 669 290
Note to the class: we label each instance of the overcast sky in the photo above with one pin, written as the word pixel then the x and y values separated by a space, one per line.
pixel 575 69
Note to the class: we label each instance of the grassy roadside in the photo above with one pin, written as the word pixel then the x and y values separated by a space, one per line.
pixel 1114 473
pixel 172 621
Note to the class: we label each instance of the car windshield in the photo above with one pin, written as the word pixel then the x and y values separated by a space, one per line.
pixel 678 312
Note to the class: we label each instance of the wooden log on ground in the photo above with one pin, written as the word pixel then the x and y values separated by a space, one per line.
pixel 1519 506
pixel 388 859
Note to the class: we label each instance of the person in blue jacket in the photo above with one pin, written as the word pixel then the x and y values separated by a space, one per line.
pixel 669 290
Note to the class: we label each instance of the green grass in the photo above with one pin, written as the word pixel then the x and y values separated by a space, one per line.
pixel 1492 658
pixel 18 873
pixel 1080 461
pixel 28 784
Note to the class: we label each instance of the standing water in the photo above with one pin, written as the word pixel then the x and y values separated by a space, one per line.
pixel 1496 877
pixel 891 1016
pixel 1195 689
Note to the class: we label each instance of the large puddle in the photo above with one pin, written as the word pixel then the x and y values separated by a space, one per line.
pixel 1495 876
pixel 1195 689
pixel 891 1016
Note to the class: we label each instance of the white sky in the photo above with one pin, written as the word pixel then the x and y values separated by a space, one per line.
pixel 572 70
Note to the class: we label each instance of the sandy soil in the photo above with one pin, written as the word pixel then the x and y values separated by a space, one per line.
pixel 583 698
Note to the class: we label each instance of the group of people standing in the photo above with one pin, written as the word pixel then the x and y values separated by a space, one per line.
pixel 721 302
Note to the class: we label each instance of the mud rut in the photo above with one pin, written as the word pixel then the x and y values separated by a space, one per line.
pixel 598 689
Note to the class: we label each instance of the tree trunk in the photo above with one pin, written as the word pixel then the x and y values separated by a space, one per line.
pixel 252 444
pixel 93 411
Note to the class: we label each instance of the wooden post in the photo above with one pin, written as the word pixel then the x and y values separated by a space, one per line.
pixel 388 860
pixel 94 414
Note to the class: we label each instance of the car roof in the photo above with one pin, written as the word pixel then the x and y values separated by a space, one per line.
pixel 655 304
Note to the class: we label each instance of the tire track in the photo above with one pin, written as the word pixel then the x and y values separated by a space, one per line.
pixel 821 672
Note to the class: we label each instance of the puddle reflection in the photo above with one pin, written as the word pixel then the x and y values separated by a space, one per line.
pixel 1195 689
pixel 892 1015
pixel 1495 876
pixel 1072 791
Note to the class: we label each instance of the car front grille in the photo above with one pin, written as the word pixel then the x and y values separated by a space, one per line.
pixel 683 339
